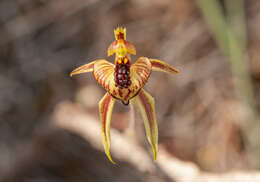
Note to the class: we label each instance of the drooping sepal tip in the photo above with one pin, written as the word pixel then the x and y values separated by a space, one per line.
pixel 145 103
pixel 154 149
pixel 106 105
pixel 110 158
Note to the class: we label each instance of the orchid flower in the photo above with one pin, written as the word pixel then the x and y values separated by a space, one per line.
pixel 124 81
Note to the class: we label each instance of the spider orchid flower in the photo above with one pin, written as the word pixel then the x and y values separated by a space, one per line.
pixel 124 81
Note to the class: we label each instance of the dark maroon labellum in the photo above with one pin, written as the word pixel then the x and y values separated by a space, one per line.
pixel 122 74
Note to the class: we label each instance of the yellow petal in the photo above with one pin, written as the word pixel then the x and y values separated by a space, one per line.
pixel 106 105
pixel 83 69
pixel 145 103
pixel 130 47
pixel 104 74
pixel 121 48
pixel 140 71
pixel 158 65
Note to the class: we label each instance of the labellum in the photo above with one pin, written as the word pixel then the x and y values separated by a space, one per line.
pixel 124 81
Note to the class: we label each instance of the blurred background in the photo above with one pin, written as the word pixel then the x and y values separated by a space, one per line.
pixel 208 115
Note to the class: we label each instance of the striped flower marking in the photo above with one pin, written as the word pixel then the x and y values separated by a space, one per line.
pixel 124 81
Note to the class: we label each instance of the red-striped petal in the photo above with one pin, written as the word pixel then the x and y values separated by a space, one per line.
pixel 106 105
pixel 145 103
pixel 158 65
pixel 84 68
pixel 140 72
